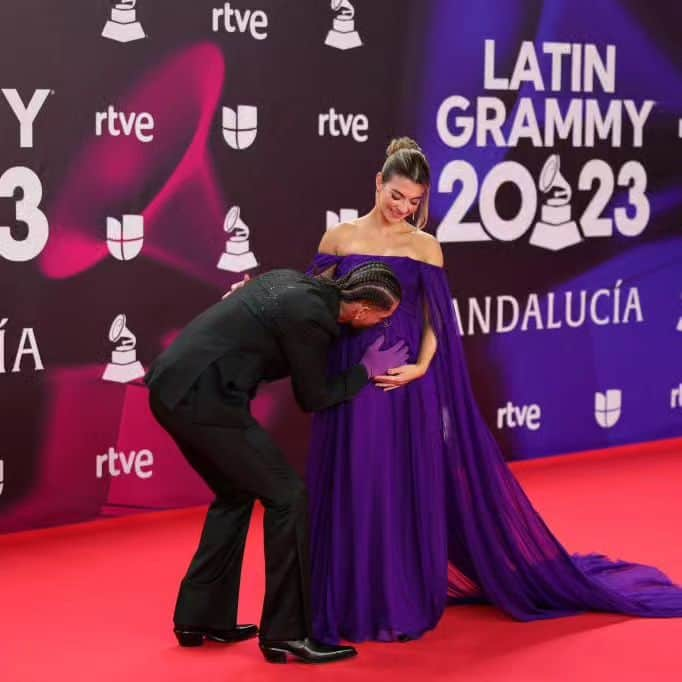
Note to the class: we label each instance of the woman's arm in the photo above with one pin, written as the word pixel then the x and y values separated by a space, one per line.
pixel 433 255
pixel 400 376
pixel 403 375
pixel 329 245
pixel 337 240
pixel 429 344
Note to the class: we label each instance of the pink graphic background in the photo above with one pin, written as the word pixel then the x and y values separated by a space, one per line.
pixel 54 423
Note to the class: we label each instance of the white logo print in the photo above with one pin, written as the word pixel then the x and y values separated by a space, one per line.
pixel 125 238
pixel 238 255
pixel 26 113
pixel 2 476
pixel 555 230
pixel 123 26
pixel 26 211
pixel 607 407
pixel 345 215
pixel 124 366
pixel 240 127
pixel 28 345
pixel 142 461
pixel 676 397
pixel 355 125
pixel 343 35
pixel 254 22
pixel 24 247
pixel 548 310
pixel 512 416
pixel 118 122
pixel 543 121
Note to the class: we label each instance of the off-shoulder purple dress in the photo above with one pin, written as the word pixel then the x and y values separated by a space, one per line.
pixel 413 506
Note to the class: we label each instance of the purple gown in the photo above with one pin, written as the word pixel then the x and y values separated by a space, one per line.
pixel 413 506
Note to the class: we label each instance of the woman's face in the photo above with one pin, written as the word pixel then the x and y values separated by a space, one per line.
pixel 398 199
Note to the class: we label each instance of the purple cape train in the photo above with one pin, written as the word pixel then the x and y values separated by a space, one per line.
pixel 413 506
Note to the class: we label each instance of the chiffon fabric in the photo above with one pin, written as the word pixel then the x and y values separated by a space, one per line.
pixel 413 506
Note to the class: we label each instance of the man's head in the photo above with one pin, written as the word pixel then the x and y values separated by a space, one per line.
pixel 369 294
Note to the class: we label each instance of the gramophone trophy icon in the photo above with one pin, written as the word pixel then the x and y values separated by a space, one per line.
pixel 123 25
pixel 238 255
pixel 555 230
pixel 124 366
pixel 343 35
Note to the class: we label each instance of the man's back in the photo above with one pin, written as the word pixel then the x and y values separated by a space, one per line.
pixel 242 334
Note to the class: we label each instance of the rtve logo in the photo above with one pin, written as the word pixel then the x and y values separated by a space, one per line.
pixel 141 462
pixel 511 416
pixel 353 125
pixel 254 22
pixel 117 123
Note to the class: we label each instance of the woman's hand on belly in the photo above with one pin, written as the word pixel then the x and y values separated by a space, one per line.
pixel 399 376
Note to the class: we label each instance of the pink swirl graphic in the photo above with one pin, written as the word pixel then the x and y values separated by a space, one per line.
pixel 113 175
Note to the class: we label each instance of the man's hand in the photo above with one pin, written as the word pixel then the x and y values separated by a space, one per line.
pixel 377 361
pixel 237 285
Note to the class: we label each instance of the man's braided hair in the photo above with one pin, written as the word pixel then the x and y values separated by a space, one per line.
pixel 373 282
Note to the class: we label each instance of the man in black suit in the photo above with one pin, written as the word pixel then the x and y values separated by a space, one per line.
pixel 281 323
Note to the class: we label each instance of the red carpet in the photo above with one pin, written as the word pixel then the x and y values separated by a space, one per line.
pixel 93 602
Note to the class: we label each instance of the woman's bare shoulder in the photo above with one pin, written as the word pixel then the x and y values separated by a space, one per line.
pixel 428 248
pixel 335 237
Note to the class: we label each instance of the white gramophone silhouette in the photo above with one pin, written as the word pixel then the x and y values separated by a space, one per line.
pixel 238 255
pixel 343 34
pixel 555 230
pixel 123 26
pixel 124 366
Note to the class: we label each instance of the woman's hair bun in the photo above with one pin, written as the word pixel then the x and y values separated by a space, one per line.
pixel 400 143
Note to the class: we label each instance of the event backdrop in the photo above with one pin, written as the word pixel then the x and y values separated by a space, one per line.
pixel 153 152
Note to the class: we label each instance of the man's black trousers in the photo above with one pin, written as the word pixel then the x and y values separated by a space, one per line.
pixel 241 463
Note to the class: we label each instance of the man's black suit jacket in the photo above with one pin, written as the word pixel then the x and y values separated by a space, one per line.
pixel 281 323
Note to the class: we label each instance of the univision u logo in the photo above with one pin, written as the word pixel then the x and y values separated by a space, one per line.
pixel 240 127
pixel 607 407
pixel 125 237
